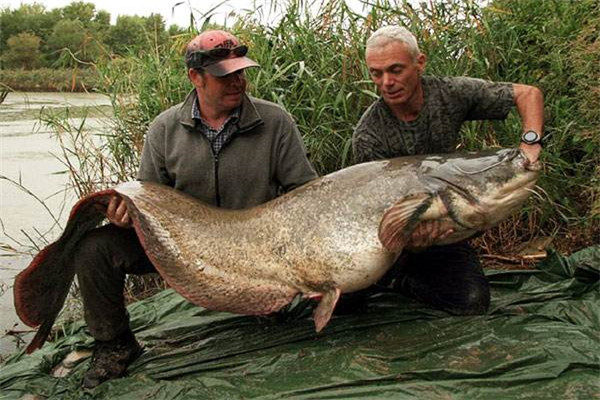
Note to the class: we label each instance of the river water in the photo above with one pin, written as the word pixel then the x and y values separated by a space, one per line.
pixel 31 156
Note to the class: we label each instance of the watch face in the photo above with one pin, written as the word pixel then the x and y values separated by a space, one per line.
pixel 530 137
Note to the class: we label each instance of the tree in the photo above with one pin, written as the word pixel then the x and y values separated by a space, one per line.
pixel 127 34
pixel 79 11
pixel 31 18
pixel 71 42
pixel 175 30
pixel 100 26
pixel 155 29
pixel 101 21
pixel 23 51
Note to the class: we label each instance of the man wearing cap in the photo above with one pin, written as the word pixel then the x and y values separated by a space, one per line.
pixel 221 146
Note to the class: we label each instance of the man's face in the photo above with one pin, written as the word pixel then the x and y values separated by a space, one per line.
pixel 221 93
pixel 395 72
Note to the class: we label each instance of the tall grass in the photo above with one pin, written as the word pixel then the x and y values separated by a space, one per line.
pixel 313 65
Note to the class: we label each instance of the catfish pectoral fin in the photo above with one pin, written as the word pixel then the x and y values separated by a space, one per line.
pixel 323 312
pixel 399 220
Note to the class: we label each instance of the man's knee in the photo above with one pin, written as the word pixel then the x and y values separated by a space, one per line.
pixel 111 250
pixel 472 299
pixel 93 247
pixel 472 296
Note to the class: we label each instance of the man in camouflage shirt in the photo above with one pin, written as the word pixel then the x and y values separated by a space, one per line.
pixel 419 114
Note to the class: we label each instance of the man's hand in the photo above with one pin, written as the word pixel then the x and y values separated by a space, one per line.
pixel 116 212
pixel 426 233
pixel 531 151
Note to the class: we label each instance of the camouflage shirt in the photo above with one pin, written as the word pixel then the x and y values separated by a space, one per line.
pixel 449 101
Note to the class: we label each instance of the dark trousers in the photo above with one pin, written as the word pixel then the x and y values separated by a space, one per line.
pixel 102 259
pixel 448 278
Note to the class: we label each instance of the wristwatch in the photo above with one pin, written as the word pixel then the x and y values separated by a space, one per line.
pixel 531 137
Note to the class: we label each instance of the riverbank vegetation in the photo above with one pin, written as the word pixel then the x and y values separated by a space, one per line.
pixel 50 80
pixel 76 35
pixel 58 49
pixel 313 64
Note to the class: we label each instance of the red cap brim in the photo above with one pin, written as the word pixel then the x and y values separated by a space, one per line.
pixel 230 65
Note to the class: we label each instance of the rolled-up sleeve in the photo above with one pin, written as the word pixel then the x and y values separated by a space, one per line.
pixel 486 99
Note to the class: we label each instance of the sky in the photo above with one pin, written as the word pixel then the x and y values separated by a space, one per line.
pixel 173 11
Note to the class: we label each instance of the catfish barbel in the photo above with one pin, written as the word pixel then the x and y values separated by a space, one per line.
pixel 336 234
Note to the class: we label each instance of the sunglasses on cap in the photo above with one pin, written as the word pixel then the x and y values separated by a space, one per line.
pixel 202 58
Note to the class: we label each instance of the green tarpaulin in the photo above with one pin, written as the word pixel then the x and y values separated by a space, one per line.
pixel 540 340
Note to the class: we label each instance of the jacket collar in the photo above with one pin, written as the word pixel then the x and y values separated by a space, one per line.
pixel 249 117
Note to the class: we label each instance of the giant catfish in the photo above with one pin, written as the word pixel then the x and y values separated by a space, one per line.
pixel 337 234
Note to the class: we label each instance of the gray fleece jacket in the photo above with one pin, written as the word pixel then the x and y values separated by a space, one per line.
pixel 264 157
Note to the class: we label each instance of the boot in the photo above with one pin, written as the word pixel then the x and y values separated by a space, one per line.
pixel 111 358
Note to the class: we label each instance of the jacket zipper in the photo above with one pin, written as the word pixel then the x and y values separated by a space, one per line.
pixel 217 194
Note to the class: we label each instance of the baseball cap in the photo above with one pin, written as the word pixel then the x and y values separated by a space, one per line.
pixel 217 52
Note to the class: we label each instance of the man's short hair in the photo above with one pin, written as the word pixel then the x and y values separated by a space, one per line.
pixel 394 33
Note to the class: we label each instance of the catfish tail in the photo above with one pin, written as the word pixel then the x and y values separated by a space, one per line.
pixel 41 289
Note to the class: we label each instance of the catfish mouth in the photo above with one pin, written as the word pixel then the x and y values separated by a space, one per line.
pixel 510 196
pixel 477 202
pixel 523 182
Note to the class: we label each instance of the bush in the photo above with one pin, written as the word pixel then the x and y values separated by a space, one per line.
pixel 23 51
pixel 50 79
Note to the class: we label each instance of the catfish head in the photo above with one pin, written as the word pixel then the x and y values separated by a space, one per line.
pixel 469 194
pixel 479 192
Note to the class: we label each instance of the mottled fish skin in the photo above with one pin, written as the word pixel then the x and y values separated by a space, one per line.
pixel 337 234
